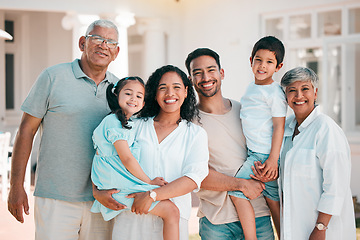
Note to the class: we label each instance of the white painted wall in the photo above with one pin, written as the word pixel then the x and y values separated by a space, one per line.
pixel 48 44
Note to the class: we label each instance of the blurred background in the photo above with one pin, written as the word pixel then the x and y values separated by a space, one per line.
pixel 323 35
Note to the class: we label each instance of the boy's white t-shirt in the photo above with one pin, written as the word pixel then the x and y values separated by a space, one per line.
pixel 258 106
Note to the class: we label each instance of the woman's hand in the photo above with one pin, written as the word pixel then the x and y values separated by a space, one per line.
pixel 317 234
pixel 142 202
pixel 105 198
pixel 158 181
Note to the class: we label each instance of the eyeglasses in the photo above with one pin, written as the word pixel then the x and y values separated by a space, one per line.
pixel 99 40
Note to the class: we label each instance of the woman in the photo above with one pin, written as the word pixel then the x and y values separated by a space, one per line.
pixel 172 147
pixel 315 167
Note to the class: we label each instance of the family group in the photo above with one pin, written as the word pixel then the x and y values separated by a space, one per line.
pixel 119 158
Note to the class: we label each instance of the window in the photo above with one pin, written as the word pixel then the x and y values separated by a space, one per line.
pixel 9 82
pixel 11 49
pixel 9 28
pixel 319 39
pixel 300 27
pixel 356 51
pixel 354 20
pixel 275 27
pixel 329 23
pixel 333 82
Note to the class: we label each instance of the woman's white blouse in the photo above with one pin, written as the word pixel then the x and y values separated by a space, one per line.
pixel 315 173
pixel 184 152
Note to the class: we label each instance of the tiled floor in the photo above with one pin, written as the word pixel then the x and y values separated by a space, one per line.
pixel 10 229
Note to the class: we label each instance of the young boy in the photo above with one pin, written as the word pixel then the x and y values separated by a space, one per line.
pixel 263 111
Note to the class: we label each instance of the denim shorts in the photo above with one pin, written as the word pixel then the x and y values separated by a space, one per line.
pixel 234 231
pixel 271 188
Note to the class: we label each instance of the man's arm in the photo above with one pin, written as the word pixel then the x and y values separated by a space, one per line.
pixel 17 200
pixel 216 181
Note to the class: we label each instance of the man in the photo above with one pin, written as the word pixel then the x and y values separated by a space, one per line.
pixel 220 117
pixel 67 101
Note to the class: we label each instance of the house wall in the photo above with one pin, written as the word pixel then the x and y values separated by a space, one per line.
pixel 49 43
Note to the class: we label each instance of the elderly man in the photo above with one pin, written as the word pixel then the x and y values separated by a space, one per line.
pixel 67 101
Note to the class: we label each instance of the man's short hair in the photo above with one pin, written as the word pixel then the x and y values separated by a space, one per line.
pixel 102 23
pixel 201 52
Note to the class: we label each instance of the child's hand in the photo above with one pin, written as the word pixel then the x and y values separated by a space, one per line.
pixel 158 181
pixel 270 169
pixel 258 173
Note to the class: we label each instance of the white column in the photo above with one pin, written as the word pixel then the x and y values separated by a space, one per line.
pixel 154 44
pixel 78 24
pixel 120 67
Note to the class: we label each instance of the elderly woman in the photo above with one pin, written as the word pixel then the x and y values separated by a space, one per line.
pixel 172 147
pixel 314 167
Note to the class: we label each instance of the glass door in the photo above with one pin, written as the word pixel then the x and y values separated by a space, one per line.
pixel 341 81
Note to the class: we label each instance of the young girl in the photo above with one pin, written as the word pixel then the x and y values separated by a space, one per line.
pixel 115 165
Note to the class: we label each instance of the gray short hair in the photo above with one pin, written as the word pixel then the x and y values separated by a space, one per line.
pixel 102 23
pixel 303 74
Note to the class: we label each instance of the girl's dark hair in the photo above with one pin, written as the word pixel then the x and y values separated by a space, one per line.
pixel 112 93
pixel 188 110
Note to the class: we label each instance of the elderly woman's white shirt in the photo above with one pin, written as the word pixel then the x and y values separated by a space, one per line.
pixel 315 173
pixel 184 152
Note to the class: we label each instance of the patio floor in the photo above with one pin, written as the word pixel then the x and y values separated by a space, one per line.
pixel 10 229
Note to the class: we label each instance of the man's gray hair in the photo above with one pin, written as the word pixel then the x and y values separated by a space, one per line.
pixel 303 74
pixel 102 23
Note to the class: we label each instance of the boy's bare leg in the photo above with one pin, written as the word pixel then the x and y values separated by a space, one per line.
pixel 246 215
pixel 275 213
pixel 170 214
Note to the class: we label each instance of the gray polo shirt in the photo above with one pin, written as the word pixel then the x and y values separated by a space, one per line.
pixel 71 106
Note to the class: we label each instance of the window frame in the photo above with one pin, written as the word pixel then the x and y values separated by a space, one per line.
pixel 314 41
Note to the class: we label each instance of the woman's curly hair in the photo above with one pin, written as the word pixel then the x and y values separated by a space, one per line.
pixel 188 111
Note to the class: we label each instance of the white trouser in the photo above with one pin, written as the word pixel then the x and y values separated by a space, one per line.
pixel 61 220
pixel 129 225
